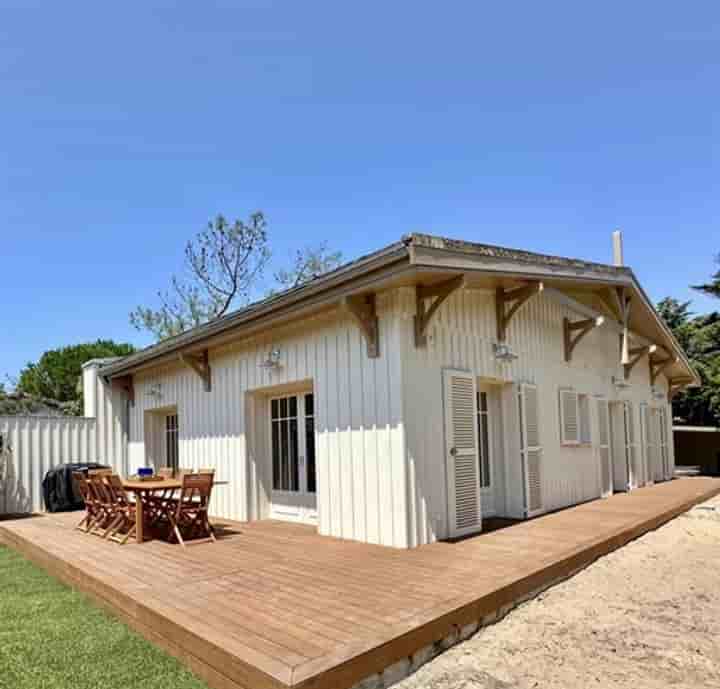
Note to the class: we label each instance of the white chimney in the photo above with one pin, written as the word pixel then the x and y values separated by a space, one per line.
pixel 618 248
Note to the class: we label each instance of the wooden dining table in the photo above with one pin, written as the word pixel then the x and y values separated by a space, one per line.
pixel 141 489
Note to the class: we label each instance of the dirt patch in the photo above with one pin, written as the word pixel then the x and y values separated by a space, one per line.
pixel 645 616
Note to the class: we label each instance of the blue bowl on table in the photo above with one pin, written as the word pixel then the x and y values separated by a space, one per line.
pixel 144 472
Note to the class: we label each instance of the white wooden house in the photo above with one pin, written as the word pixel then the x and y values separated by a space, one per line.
pixel 405 396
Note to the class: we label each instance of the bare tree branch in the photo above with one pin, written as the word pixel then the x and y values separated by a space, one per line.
pixel 223 263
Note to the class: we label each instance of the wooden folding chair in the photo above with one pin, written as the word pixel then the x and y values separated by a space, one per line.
pixel 99 472
pixel 108 515
pixel 156 503
pixel 86 523
pixel 190 512
pixel 124 508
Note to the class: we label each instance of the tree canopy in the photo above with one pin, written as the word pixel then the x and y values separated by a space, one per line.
pixel 308 264
pixel 223 267
pixel 699 336
pixel 711 288
pixel 56 376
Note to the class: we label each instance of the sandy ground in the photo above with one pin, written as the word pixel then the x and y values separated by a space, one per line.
pixel 647 615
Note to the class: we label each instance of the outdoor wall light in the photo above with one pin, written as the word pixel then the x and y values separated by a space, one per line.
pixel 272 361
pixel 657 393
pixel 620 383
pixel 155 390
pixel 503 353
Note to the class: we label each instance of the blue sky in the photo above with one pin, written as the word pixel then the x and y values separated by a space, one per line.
pixel 124 127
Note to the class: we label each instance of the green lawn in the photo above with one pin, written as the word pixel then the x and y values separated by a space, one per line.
pixel 52 637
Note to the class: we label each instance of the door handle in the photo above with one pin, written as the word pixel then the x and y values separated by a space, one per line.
pixel 453 451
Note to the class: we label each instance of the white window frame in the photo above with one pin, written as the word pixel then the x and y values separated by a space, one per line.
pixel 580 401
pixel 172 440
pixel 483 418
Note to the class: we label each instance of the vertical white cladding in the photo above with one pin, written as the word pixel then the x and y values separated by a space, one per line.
pixel 379 422
pixel 462 336
pixel 109 407
pixel 361 468
pixel 34 444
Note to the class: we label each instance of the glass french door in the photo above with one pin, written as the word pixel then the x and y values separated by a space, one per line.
pixel 485 452
pixel 292 445
pixel 171 441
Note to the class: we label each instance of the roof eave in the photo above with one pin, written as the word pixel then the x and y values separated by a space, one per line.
pixel 326 288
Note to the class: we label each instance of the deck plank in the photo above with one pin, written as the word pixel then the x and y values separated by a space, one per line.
pixel 274 605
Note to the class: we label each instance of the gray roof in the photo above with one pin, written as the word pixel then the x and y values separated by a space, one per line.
pixel 398 252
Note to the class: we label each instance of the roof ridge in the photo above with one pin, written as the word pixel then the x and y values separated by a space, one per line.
pixel 497 251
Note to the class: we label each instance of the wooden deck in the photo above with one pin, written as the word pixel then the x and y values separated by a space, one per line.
pixel 275 605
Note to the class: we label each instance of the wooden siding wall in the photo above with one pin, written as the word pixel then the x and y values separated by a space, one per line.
pixel 379 422
pixel 361 468
pixel 109 407
pixel 462 336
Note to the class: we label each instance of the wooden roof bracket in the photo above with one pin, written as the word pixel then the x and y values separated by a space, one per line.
pixel 657 366
pixel 673 389
pixel 362 309
pixel 574 331
pixel 200 363
pixel 514 298
pixel 125 383
pixel 637 353
pixel 439 292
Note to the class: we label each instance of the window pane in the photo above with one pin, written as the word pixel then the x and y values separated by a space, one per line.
pixel 293 406
pixel 275 409
pixel 276 455
pixel 284 474
pixel 294 473
pixel 309 405
pixel 310 449
pixel 484 452
pixel 283 408
pixel 483 401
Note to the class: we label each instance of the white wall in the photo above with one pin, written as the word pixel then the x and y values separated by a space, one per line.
pixel 360 440
pixel 109 406
pixel 379 422
pixel 462 336
pixel 38 443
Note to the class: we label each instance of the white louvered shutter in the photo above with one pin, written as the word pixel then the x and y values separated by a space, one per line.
pixel 569 418
pixel 631 450
pixel 606 480
pixel 656 439
pixel 530 448
pixel 663 451
pixel 462 459
pixel 647 444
